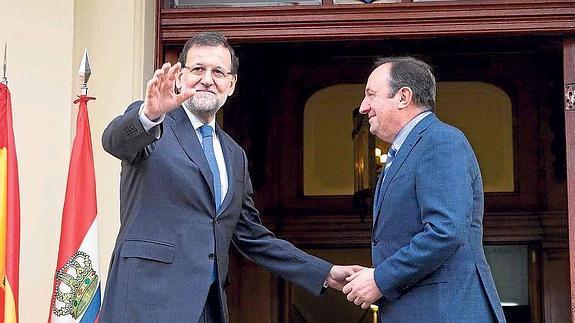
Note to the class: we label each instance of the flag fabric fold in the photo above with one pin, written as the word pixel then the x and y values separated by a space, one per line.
pixel 77 295
pixel 9 212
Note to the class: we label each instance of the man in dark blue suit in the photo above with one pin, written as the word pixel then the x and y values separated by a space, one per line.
pixel 185 196
pixel 427 249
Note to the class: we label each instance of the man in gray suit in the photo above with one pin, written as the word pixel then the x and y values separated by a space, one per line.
pixel 427 241
pixel 186 195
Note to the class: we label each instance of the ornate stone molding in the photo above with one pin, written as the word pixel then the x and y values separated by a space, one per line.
pixel 570 97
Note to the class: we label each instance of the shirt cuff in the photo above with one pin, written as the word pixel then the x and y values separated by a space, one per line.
pixel 149 124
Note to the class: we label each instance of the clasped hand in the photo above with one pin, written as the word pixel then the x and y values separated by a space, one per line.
pixel 361 288
pixel 357 282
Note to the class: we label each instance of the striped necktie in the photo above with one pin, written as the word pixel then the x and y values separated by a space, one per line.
pixel 390 155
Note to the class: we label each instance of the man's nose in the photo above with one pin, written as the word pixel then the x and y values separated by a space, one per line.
pixel 207 79
pixel 364 106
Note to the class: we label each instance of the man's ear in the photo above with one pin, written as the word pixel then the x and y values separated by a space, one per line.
pixel 405 97
pixel 233 84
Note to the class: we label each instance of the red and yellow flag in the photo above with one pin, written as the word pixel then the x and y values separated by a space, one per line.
pixel 9 213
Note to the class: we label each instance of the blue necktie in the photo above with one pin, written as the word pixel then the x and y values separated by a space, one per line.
pixel 208 145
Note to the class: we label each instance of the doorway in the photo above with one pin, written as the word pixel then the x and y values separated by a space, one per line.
pixel 268 113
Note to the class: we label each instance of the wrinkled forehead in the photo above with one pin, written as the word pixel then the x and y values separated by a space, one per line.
pixel 209 55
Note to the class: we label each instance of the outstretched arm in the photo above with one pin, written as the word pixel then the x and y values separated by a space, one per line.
pixel 280 257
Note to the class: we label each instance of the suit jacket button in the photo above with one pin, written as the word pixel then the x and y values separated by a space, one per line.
pixel 211 256
pixel 374 242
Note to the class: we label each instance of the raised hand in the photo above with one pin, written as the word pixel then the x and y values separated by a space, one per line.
pixel 160 95
pixel 361 289
pixel 338 274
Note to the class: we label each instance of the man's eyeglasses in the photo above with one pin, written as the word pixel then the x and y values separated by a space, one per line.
pixel 216 72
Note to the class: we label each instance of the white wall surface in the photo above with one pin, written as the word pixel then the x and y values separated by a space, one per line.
pixel 46 40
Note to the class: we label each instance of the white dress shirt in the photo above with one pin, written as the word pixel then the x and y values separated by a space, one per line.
pixel 406 130
pixel 196 123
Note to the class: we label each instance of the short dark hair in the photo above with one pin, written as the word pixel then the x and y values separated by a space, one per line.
pixel 213 39
pixel 414 74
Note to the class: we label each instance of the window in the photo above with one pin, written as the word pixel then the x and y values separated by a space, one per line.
pixel 510 268
pixel 481 110
pixel 238 3
pixel 328 146
pixel 363 2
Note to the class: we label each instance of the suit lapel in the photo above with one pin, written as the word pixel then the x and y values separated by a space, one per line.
pixel 228 159
pixel 406 148
pixel 187 138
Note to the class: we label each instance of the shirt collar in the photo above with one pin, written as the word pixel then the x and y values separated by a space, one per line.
pixel 196 122
pixel 406 130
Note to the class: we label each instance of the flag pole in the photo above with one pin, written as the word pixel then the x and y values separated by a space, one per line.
pixel 4 78
pixel 85 72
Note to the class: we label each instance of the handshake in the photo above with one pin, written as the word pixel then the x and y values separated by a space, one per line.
pixel 357 282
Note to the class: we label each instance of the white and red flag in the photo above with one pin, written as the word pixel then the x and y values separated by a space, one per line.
pixel 77 294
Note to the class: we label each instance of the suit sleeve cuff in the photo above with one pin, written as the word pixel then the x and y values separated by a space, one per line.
pixel 389 292
pixel 149 125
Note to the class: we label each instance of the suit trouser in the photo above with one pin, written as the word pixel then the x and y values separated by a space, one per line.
pixel 212 312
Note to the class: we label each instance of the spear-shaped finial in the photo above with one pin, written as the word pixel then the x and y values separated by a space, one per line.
pixel 85 73
pixel 4 78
